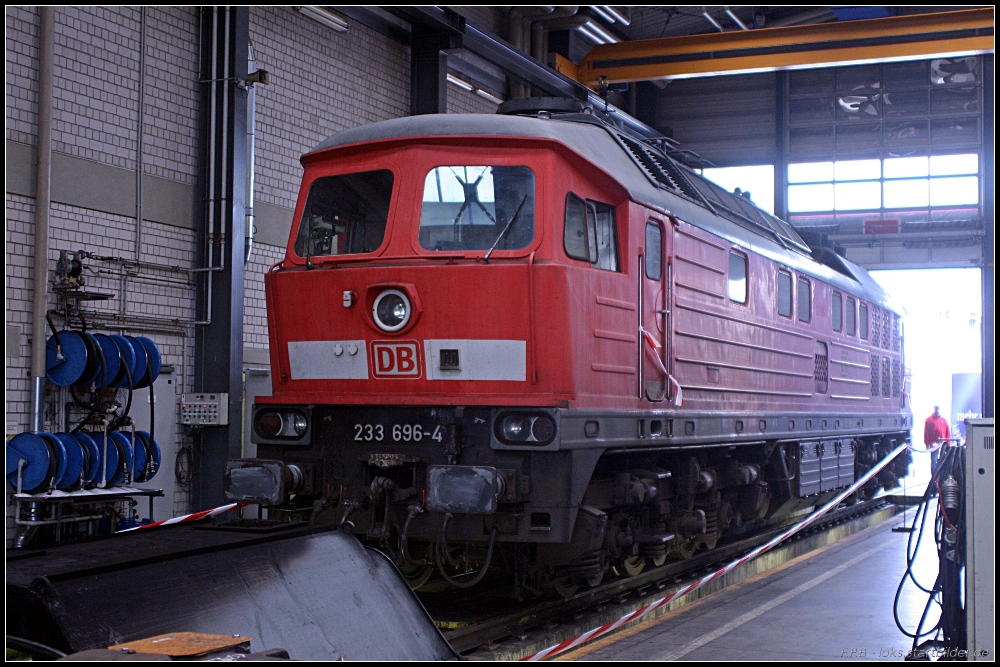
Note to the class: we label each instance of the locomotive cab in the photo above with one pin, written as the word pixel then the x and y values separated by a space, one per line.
pixel 475 341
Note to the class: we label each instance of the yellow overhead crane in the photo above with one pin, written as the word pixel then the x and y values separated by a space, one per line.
pixel 952 33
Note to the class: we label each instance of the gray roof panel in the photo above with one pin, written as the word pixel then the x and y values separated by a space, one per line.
pixel 598 144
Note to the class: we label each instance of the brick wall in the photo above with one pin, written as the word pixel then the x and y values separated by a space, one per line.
pixel 254 306
pixel 322 82
pixel 461 100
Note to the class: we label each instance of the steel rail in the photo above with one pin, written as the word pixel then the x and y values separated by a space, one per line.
pixel 472 636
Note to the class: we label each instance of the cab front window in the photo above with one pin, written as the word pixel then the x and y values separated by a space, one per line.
pixel 345 214
pixel 478 208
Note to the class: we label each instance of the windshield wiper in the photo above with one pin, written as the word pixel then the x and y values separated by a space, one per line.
pixel 486 257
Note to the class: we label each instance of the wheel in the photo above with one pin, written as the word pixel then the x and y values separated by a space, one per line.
pixel 629 567
pixel 565 587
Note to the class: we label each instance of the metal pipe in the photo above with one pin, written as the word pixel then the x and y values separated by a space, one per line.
pixel 139 168
pixel 140 131
pixel 251 149
pixel 736 19
pixel 210 222
pixel 43 182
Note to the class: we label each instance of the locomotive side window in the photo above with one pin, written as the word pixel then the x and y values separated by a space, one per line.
pixel 784 293
pixel 345 214
pixel 578 239
pixel 737 277
pixel 838 315
pixel 805 301
pixel 654 251
pixel 478 208
pixel 850 316
pixel 606 236
pixel 863 320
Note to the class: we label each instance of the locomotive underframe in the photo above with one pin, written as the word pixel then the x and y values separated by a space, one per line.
pixel 612 488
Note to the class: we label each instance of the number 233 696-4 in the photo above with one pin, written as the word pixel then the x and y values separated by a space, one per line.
pixel 396 433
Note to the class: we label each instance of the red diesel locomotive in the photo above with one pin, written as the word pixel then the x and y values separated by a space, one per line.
pixel 540 342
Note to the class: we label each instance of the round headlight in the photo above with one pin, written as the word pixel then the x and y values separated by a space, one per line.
pixel 391 310
pixel 516 428
pixel 543 429
pixel 269 424
pixel 297 423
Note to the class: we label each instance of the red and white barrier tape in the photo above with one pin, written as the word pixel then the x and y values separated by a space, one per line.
pixel 187 517
pixel 695 585
pixel 653 349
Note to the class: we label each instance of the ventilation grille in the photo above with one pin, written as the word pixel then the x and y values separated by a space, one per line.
pixel 886 376
pixel 988 442
pixel 876 326
pixel 666 173
pixel 876 384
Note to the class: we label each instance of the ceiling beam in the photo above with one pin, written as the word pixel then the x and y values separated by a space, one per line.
pixel 962 32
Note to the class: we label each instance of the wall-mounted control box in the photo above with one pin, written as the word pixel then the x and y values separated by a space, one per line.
pixel 205 409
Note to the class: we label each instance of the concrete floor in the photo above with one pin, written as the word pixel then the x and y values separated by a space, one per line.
pixel 833 604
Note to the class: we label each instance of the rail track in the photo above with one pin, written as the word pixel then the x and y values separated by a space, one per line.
pixel 492 624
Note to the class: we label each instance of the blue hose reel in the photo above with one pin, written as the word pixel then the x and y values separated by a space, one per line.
pixel 79 358
pixel 68 462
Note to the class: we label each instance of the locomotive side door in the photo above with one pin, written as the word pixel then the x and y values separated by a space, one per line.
pixel 654 335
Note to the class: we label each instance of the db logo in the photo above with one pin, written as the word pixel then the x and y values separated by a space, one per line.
pixel 395 359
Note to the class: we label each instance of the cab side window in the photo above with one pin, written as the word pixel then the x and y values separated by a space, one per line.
pixel 863 320
pixel 737 277
pixel 606 235
pixel 851 316
pixel 838 312
pixel 805 301
pixel 577 239
pixel 590 234
pixel 784 293
pixel 654 251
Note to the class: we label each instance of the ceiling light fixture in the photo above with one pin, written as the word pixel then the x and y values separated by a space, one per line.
pixel 492 98
pixel 604 34
pixel 596 39
pixel 621 18
pixel 736 19
pixel 460 83
pixel 600 11
pixel 325 17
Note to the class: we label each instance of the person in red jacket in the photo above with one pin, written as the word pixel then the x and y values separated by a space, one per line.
pixel 935 430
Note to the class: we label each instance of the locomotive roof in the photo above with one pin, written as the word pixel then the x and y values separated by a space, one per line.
pixel 650 176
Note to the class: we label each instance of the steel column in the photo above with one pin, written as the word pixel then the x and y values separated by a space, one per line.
pixel 219 340
pixel 781 145
pixel 428 71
